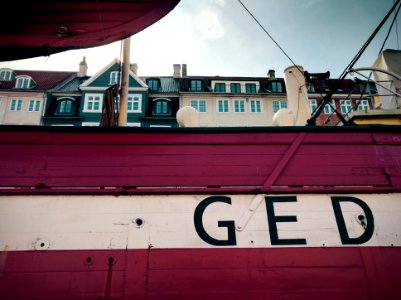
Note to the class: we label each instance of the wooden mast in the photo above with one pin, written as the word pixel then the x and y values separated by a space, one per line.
pixel 122 116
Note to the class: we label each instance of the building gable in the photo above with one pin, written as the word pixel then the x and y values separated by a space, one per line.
pixel 109 75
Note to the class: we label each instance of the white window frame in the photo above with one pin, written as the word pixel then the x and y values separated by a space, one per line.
pixel 312 105
pixel 345 106
pixel 86 103
pixel 23 82
pixel 5 75
pixel 256 110
pixel 114 77
pixel 328 110
pixel 196 103
pixel 239 101
pixel 33 105
pixel 364 105
pixel 17 106
pixel 281 105
pixel 224 101
pixel 131 99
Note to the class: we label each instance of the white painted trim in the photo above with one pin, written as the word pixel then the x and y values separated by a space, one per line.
pixel 139 104
pixel 85 108
pixel 109 222
pixel 100 72
pixel 103 88
pixel 90 124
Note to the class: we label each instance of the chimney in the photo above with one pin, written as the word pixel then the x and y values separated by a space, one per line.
pixel 271 73
pixel 83 68
pixel 134 68
pixel 184 70
pixel 177 71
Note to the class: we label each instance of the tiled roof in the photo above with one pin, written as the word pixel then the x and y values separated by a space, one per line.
pixel 263 81
pixel 168 84
pixel 71 86
pixel 346 86
pixel 44 80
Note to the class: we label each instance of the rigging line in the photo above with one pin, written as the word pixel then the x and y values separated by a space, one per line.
pixel 312 121
pixel 360 52
pixel 391 27
pixel 269 35
pixel 396 32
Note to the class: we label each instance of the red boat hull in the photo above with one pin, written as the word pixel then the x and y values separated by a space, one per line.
pixel 281 273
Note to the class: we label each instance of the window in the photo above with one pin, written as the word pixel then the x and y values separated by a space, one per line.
pixel 235 88
pixel 65 106
pixel 328 108
pixel 162 107
pixel 311 88
pixel 363 105
pixel 154 85
pixel 276 87
pixel 23 82
pixel 93 103
pixel 199 105
pixel 250 88
pixel 222 106
pixel 239 105
pixel 34 105
pixel 255 106
pixel 16 105
pixel 196 86
pixel 312 105
pixel 5 75
pixel 346 106
pixel 279 104
pixel 220 87
pixel 114 77
pixel 134 103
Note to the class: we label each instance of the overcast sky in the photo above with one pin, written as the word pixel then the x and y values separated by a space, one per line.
pixel 218 37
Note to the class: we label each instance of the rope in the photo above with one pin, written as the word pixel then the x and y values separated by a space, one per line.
pixel 327 98
pixel 269 35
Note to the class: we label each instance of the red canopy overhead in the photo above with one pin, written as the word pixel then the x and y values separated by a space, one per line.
pixel 43 27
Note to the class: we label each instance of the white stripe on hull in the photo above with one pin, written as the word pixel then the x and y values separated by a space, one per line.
pixel 110 222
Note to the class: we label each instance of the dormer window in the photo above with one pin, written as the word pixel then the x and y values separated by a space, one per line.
pixel 65 106
pixel 235 88
pixel 250 88
pixel 114 77
pixel 220 87
pixel 24 82
pixel 162 107
pixel 276 87
pixel 154 85
pixel 6 75
pixel 196 86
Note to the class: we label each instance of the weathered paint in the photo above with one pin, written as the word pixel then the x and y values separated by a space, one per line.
pixel 148 247
pixel 194 221
pixel 122 214
pixel 98 161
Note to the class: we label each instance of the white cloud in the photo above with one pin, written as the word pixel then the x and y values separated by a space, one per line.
pixel 208 25
pixel 221 3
